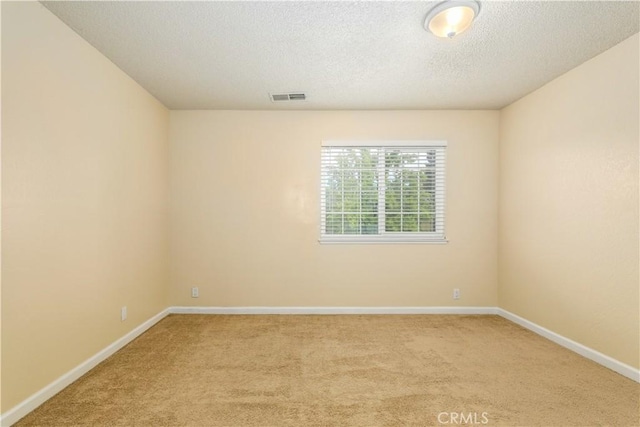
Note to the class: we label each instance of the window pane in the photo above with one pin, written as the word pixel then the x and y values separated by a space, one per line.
pixel 369 224
pixel 351 201
pixel 410 202
pixel 352 224
pixel 369 179
pixel 393 192
pixel 428 179
pixel 333 224
pixel 392 223
pixel 410 223
pixel 427 223
pixel 369 202
pixel 410 190
pixel 333 202
pixel 350 180
pixel 427 198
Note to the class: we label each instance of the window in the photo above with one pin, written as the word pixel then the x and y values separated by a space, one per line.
pixel 381 191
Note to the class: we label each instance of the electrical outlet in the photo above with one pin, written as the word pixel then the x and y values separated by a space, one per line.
pixel 123 313
pixel 194 292
pixel 456 293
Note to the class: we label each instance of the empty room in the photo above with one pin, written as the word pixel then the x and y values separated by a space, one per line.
pixel 320 213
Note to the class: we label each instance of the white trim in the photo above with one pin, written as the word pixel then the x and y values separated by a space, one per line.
pixel 23 408
pixel 384 143
pixel 333 310
pixel 582 350
pixel 382 239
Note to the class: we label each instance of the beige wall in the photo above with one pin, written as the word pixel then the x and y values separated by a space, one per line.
pixel 245 212
pixel 85 189
pixel 569 204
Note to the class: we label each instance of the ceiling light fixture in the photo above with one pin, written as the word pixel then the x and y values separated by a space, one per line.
pixel 450 18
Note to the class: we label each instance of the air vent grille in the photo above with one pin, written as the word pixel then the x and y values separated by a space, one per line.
pixel 294 96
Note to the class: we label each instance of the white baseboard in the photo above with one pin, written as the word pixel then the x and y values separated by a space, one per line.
pixel 589 353
pixel 333 310
pixel 32 402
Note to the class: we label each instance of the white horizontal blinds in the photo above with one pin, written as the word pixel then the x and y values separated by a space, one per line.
pixel 349 190
pixel 414 190
pixel 378 190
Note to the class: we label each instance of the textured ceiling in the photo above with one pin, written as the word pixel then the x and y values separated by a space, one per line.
pixel 344 55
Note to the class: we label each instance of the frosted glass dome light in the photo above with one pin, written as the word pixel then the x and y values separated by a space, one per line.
pixel 452 17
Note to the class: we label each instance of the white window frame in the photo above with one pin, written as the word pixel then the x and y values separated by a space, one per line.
pixel 384 237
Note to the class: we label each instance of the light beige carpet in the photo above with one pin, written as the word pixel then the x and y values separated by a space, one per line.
pixel 203 370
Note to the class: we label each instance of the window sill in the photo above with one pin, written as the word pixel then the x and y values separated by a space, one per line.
pixel 382 240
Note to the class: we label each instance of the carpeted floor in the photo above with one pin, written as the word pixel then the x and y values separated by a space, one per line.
pixel 205 370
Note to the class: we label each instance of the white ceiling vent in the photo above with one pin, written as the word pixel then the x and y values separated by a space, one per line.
pixel 293 96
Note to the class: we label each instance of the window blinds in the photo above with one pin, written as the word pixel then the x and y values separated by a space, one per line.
pixel 378 192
